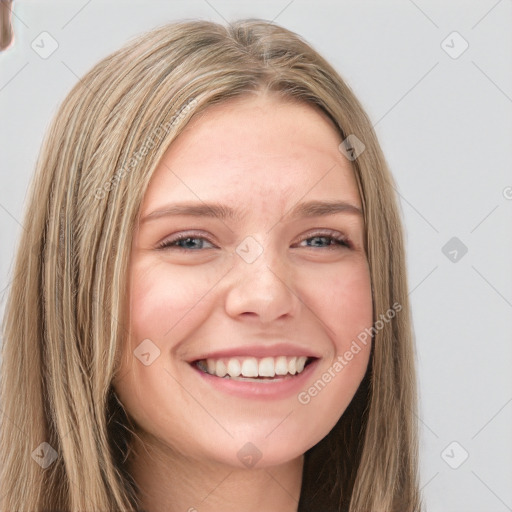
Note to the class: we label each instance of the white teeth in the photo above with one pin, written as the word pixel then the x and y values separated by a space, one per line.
pixel 220 369
pixel 234 367
pixel 266 367
pixel 211 365
pixel 252 367
pixel 281 366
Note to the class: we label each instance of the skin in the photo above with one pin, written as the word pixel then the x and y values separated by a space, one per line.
pixel 261 156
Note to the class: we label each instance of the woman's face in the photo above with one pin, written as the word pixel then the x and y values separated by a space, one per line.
pixel 266 278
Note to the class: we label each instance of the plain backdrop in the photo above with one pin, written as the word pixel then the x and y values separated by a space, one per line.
pixel 436 79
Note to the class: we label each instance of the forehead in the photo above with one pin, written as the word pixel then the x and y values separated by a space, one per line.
pixel 256 125
pixel 254 150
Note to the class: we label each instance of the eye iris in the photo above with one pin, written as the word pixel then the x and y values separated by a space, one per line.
pixel 320 238
pixel 187 241
pixel 328 239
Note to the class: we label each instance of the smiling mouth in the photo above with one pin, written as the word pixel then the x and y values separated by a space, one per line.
pixel 254 369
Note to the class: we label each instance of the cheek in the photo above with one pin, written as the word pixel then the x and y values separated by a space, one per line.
pixel 346 310
pixel 165 305
pixel 163 300
pixel 344 301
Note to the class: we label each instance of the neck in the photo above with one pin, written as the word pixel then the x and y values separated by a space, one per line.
pixel 172 482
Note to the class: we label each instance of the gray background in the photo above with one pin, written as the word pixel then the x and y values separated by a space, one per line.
pixel 445 125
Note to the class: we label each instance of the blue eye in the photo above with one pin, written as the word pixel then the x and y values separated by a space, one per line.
pixel 189 242
pixel 338 241
pixel 186 239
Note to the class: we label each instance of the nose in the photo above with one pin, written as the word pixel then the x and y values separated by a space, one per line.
pixel 262 289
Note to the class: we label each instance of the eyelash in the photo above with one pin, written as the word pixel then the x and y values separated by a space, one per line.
pixel 341 240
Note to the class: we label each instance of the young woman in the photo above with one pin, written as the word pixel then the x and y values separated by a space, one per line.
pixel 209 310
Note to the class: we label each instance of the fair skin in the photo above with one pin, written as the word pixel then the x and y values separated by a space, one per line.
pixel 290 290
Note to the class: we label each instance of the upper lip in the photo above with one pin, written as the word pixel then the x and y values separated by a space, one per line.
pixel 259 351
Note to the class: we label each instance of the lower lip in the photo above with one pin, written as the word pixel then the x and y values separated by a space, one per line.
pixel 279 388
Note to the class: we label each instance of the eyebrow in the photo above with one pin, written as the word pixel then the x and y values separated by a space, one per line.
pixel 220 211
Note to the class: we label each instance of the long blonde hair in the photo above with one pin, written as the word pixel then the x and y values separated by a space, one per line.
pixel 6 31
pixel 64 437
